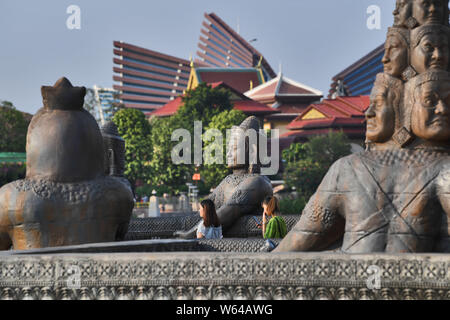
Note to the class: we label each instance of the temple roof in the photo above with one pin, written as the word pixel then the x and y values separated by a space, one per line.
pixel 240 79
pixel 240 102
pixel 280 87
pixel 342 113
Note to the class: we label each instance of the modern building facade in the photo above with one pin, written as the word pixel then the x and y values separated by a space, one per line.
pixel 147 79
pixel 106 99
pixel 222 47
pixel 358 78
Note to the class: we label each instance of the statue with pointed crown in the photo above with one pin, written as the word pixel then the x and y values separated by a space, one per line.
pixel 66 197
pixel 395 196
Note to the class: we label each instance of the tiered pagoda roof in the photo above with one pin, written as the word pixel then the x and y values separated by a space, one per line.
pixel 240 102
pixel 342 113
pixel 285 95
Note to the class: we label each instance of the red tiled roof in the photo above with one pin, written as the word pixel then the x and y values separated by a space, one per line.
pixel 253 107
pixel 169 109
pixel 339 113
pixel 350 132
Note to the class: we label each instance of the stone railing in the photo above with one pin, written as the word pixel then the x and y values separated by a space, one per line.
pixel 43 274
pixel 164 227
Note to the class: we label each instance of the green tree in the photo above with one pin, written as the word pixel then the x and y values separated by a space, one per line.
pixel 13 128
pixel 136 131
pixel 165 172
pixel 201 104
pixel 308 163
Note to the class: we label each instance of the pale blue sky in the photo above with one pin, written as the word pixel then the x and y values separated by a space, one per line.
pixel 313 39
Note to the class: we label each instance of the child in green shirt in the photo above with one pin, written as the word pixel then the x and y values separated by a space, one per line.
pixel 273 226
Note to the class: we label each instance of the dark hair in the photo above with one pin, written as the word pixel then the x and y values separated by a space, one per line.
pixel 272 205
pixel 211 219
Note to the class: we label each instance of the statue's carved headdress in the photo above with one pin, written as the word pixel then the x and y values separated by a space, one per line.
pixel 63 96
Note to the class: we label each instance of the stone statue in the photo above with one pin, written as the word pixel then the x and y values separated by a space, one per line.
pixel 403 14
pixel 430 12
pixel 243 191
pixel 114 146
pixel 430 48
pixel 395 196
pixel 66 197
pixel 396 56
pixel 383 116
pixel 413 13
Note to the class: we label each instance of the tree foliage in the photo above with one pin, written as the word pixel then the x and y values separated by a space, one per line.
pixel 308 163
pixel 136 131
pixel 211 106
pixel 13 128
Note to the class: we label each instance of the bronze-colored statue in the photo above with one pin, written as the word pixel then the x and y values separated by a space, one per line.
pixel 384 113
pixel 430 48
pixel 429 100
pixel 396 56
pixel 388 200
pixel 243 191
pixel 403 14
pixel 114 146
pixel 413 13
pixel 430 11
pixel 395 196
pixel 66 198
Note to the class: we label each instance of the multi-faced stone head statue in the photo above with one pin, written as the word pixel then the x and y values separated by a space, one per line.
pixel 430 12
pixel 430 48
pixel 242 151
pixel 383 115
pixel 428 96
pixel 403 13
pixel 396 56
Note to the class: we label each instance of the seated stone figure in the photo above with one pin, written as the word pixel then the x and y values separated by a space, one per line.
pixel 66 198
pixel 243 191
pixel 394 200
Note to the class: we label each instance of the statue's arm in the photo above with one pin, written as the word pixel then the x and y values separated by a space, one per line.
pixel 322 222
pixel 5 239
pixel 246 199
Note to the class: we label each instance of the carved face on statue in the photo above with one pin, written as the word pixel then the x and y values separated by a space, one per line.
pixel 402 12
pixel 395 59
pixel 430 48
pixel 430 119
pixel 381 115
pixel 429 11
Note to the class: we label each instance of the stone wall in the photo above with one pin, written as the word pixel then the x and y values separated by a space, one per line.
pixel 194 275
